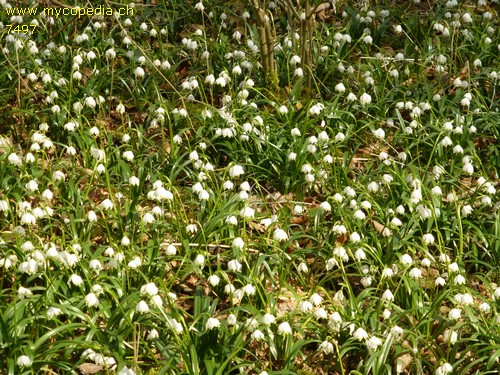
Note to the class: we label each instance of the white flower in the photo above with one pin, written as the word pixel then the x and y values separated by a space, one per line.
pixel 152 335
pixel 299 73
pixel 415 273
pixel 236 170
pixel 128 155
pixel 148 218
pixel 139 72
pixel 388 296
pixel 379 133
pixel 257 335
pixel 454 314
pixel 428 238
pixel 466 210
pixel 28 218
pixel 326 347
pixel 199 6
pixel 406 259
pixel 191 228
pixel 234 265
pixel 284 329
pixel 459 280
pixel 305 306
pixel 325 206
pixel 142 307
pixel 466 299
pixel 360 215
pixel 360 254
pixel 351 97
pixel 320 313
pixel 97 153
pixel 331 263
pixel 280 235
pixel 340 137
pixel 228 185
pixel 199 260
pixel 58 176
pixel 366 281
pixel 424 212
pixel 248 289
pixel 214 280
pixel 365 99
pixel 440 281
pixel 125 241
pixel 445 369
pixel 30 267
pixel 23 293
pixel 171 250
pixel 232 320
pixel 247 212
pixel 212 323
pixel 450 336
pixel 106 204
pixel 91 300
pixel 76 280
pixel 52 312
pixel 210 79
pixel 135 263
pixel 24 361
pixel 446 141
pixel 387 272
pixel 268 319
pixel 294 60
pixel 134 181
pixel 373 187
pixel 295 132
pixel 485 307
pixel 360 334
pixel 316 299
pixel 238 242
pixel 90 102
pixel 4 205
pixel 150 289
pixel 334 320
pixel 367 39
pixel 30 158
pixel 302 267
pixel 283 109
pixel 373 343
pixel 316 109
pixel 175 325
pixel 31 186
pixel 231 220
pixel 453 267
pixel 251 324
pixel 120 109
pixel 306 168
pixel 340 87
pixel 339 229
pixel 468 168
pixel 245 186
pixel 95 265
pixel 338 198
pixel 436 190
pixel 340 253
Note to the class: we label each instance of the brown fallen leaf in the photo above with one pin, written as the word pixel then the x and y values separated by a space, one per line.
pixel 89 368
pixel 378 227
pixel 403 363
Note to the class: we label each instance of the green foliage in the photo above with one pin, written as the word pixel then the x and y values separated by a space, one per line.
pixel 168 208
